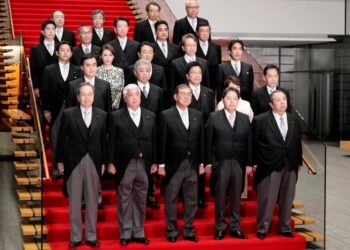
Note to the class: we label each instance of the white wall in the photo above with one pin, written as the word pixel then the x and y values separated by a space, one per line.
pixel 311 17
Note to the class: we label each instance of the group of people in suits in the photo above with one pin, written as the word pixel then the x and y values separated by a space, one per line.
pixel 145 107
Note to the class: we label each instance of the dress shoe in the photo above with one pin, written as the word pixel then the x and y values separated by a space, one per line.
pixel 101 206
pixel 238 234
pixel 220 234
pixel 92 243
pixel 202 204
pixel 152 204
pixel 260 235
pixel 191 238
pixel 140 240
pixel 74 244
pixel 287 234
pixel 172 239
pixel 124 242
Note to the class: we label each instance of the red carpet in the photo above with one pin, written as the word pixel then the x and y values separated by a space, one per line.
pixel 27 18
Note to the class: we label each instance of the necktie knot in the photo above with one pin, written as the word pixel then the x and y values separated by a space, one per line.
pixel 86 51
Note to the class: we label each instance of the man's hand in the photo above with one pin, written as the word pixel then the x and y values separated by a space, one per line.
pixel 161 171
pixel 111 169
pixel 47 115
pixel 103 169
pixel 201 169
pixel 60 166
pixel 154 168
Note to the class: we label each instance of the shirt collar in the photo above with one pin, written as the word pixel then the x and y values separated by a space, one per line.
pixel 151 22
pixel 277 116
pixel 270 90
pixel 122 39
pixel 181 110
pixel 190 19
pixel 63 65
pixel 195 87
pixel 140 84
pixel 189 59
pixel 96 29
pixel 89 110
pixel 137 111
pixel 92 81
pixel 84 46
pixel 203 43
pixel 228 113
pixel 47 42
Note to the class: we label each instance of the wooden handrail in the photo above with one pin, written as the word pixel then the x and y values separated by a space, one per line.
pixel 309 166
pixel 10 17
pixel 36 113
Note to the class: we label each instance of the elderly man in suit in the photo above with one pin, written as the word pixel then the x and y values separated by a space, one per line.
pixel 100 35
pixel 203 100
pixel 277 159
pixel 181 159
pixel 189 23
pixel 260 102
pixel 228 152
pixel 145 30
pixel 132 155
pixel 126 49
pixel 81 157
pixel 62 34
pixel 237 68
pixel 85 47
pixel 178 66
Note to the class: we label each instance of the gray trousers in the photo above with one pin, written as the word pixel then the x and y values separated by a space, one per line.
pixel 279 185
pixel 229 178
pixel 187 179
pixel 132 193
pixel 83 180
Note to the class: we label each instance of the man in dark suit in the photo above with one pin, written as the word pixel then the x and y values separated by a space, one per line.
pixel 277 159
pixel 178 66
pixel 189 23
pixel 126 49
pixel 145 30
pixel 100 35
pixel 102 98
pixel 203 100
pixel 260 102
pixel 146 51
pixel 228 152
pixel 85 47
pixel 62 34
pixel 208 51
pixel 132 155
pixel 181 159
pixel 164 51
pixel 81 157
pixel 237 68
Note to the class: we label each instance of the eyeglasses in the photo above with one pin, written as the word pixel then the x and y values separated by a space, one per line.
pixel 86 95
pixel 185 94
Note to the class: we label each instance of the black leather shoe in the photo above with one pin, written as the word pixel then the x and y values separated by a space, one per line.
pixel 140 240
pixel 73 244
pixel 124 242
pixel 202 204
pixel 152 204
pixel 191 238
pixel 238 234
pixel 101 206
pixel 220 234
pixel 287 234
pixel 172 239
pixel 261 236
pixel 92 243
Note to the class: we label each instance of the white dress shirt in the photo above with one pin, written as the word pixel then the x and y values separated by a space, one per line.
pixel 151 23
pixel 284 128
pixel 184 116
pixel 204 46
pixel 189 59
pixel 86 49
pixel 196 90
pixel 231 117
pixel 59 33
pixel 135 115
pixel 99 32
pixel 87 115
pixel 236 66
pixel 144 87
pixel 50 46
pixel 270 90
pixel 193 22
pixel 164 47
pixel 92 81
pixel 122 42
pixel 64 68
pixel 243 106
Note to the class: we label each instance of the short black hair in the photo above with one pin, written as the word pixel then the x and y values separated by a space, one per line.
pixel 191 65
pixel 159 22
pixel 202 24
pixel 154 4
pixel 121 18
pixel 64 43
pixel 181 86
pixel 47 22
pixel 108 47
pixel 276 92
pixel 145 43
pixel 86 57
pixel 83 84
pixel 271 66
pixel 233 42
pixel 229 89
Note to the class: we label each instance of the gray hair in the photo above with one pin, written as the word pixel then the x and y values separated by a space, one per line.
pixel 140 62
pixel 83 84
pixel 188 36
pixel 130 87
pixel 275 92
pixel 190 1
pixel 96 12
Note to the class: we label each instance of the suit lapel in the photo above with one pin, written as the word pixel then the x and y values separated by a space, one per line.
pixel 94 119
pixel 274 127
pixel 129 123
pixel 231 70
pixel 225 122
pixel 291 124
pixel 177 119
pixel 145 121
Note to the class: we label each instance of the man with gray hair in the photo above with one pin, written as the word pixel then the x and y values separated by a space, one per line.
pixel 132 155
pixel 100 35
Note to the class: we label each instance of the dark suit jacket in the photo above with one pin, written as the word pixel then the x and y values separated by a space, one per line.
pixel 108 35
pixel 270 151
pixel 214 59
pixel 246 78
pixel 160 59
pixel 261 99
pixel 39 59
pixel 125 57
pixel 75 139
pixel 102 99
pixel 126 141
pixel 176 141
pixel 178 72
pixel 55 89
pixel 67 36
pixel 78 53
pixel 143 32
pixel 157 78
pixel 205 102
pixel 182 27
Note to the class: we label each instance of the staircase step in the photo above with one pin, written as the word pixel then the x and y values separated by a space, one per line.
pixel 30 212
pixel 16 114
pixel 9 102
pixel 19 126
pixel 3 95
pixel 310 235
pixel 298 204
pixel 25 153
pixel 23 180
pixel 23 140
pixel 33 229
pixel 8 86
pixel 35 245
pixel 4 78
pixel 29 195
pixel 19 165
pixel 302 219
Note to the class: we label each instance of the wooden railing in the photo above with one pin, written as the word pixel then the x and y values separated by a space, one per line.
pixel 10 18
pixel 309 166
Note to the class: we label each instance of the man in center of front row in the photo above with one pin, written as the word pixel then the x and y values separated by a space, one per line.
pixel 181 156
pixel 132 155
pixel 81 157
pixel 228 152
